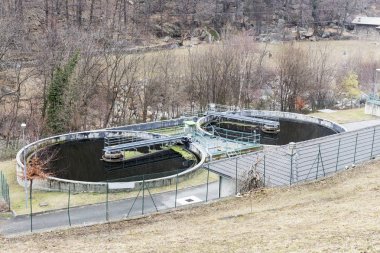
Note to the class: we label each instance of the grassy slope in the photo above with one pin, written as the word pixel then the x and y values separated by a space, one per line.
pixel 338 214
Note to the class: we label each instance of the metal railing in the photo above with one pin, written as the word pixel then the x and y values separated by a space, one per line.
pixel 235 136
pixel 4 190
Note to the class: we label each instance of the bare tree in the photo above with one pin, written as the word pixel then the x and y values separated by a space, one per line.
pixel 79 12
pixel 293 70
pixel 12 101
pixel 120 78
pixel 92 6
pixel 322 76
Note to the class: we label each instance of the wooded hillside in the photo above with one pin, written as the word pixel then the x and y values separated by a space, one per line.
pixel 66 65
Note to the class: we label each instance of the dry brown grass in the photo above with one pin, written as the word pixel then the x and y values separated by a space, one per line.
pixel 345 116
pixel 338 214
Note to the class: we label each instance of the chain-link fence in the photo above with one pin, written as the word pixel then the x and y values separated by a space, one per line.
pixel 4 191
pixel 124 198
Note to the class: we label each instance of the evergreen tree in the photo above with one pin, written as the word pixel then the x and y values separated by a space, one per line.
pixel 56 119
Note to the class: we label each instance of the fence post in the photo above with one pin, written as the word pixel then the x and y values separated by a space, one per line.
pixel 9 198
pixel 68 205
pixel 319 154
pixel 236 175
pixel 107 190
pixel 264 170
pixel 208 175
pixel 291 169
pixel 142 207
pixel 220 187
pixel 356 144
pixel 291 148
pixel 337 157
pixel 31 206
pixel 1 183
pixel 176 190
pixel 373 141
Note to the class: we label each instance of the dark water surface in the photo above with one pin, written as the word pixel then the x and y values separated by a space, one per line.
pixel 81 160
pixel 300 131
pixel 291 131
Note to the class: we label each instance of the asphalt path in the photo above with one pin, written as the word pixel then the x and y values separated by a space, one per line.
pixel 361 124
pixel 117 210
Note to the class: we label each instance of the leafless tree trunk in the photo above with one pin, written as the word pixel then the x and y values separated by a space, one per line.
pixel 92 5
pixel 18 78
pixel 120 78
pixel 79 12
pixel 294 72
pixel 46 7
pixel 322 76
pixel 125 12
pixel 20 9
pixel 314 13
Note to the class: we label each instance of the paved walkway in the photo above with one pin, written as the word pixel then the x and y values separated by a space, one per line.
pixel 117 210
pixel 361 124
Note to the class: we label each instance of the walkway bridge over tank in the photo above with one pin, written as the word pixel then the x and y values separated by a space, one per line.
pixel 238 117
pixel 145 143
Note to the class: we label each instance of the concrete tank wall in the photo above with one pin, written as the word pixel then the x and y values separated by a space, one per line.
pixel 58 184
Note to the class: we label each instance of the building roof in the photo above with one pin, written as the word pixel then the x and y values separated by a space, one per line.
pixel 375 21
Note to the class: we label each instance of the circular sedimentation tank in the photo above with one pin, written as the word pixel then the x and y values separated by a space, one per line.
pixel 293 127
pixel 290 131
pixel 77 160
pixel 82 161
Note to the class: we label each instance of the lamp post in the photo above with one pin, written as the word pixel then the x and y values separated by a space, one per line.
pixel 23 126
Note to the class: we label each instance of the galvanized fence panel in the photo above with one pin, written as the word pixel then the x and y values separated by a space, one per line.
pixel 278 166
pixel 310 160
pixel 324 156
